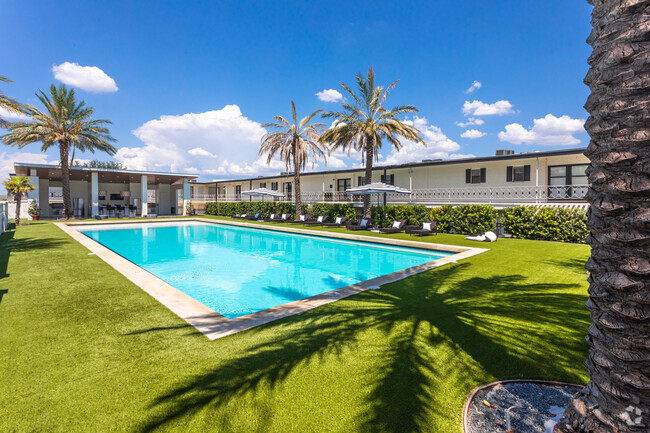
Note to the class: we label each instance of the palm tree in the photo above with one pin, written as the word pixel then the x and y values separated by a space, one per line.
pixel 617 398
pixel 18 187
pixel 363 125
pixel 295 142
pixel 66 124
pixel 7 103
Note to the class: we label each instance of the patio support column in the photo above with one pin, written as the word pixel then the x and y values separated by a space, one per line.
pixel 143 200
pixel 94 194
pixel 186 194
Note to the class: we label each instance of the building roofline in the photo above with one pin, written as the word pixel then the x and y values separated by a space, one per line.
pixel 524 155
pixel 106 170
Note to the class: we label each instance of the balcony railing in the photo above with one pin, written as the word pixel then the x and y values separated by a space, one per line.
pixel 477 194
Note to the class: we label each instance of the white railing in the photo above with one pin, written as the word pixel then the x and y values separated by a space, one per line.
pixel 469 194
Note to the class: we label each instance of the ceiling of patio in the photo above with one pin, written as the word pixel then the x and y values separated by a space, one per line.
pixel 105 175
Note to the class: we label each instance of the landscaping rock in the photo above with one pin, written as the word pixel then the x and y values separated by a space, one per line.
pixel 533 407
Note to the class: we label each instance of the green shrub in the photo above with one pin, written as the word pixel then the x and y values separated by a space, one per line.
pixel 383 216
pixel 546 223
pixel 460 219
pixel 472 218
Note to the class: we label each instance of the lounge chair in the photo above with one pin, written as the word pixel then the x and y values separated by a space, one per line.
pixel 484 237
pixel 255 217
pixel 397 227
pixel 338 222
pixel 428 228
pixel 279 218
pixel 364 224
pixel 243 216
pixel 303 220
pixel 318 221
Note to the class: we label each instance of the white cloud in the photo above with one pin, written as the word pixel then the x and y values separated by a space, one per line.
pixel 330 95
pixel 475 86
pixel 12 115
pixel 89 78
pixel 547 131
pixel 229 143
pixel 438 145
pixel 472 134
pixel 480 108
pixel 7 160
pixel 199 151
pixel 471 121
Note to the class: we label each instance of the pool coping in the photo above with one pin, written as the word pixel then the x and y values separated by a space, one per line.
pixel 214 325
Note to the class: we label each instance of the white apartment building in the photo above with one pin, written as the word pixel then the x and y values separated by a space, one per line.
pixel 554 177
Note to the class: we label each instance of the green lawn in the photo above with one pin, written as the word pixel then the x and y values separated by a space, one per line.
pixel 83 349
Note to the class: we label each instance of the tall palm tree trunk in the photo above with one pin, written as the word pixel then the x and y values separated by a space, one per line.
pixel 64 149
pixel 296 180
pixel 617 398
pixel 18 198
pixel 370 153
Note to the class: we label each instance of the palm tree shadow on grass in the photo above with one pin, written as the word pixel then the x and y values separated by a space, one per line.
pixel 9 244
pixel 478 318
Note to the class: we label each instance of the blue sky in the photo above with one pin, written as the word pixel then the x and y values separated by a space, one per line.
pixel 188 84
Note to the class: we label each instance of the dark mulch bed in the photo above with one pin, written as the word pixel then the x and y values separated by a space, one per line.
pixel 533 407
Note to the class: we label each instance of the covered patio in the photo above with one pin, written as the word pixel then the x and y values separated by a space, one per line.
pixel 98 192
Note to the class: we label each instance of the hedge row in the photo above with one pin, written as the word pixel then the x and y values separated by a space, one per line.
pixel 225 208
pixel 546 223
pixel 465 219
pixel 461 219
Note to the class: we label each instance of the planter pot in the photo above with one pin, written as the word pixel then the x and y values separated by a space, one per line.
pixel 187 214
pixel 35 217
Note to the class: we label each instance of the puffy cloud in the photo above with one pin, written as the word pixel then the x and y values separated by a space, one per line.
pixel 480 108
pixel 7 160
pixel 475 86
pixel 471 121
pixel 9 115
pixel 438 145
pixel 330 95
pixel 547 131
pixel 89 78
pixel 199 151
pixel 229 143
pixel 472 134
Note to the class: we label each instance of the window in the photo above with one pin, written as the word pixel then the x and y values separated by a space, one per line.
pixel 274 186
pixel 287 189
pixel 212 191
pixel 361 180
pixel 343 184
pixel 475 175
pixel 518 173
pixel 567 181
pixel 388 179
pixel 238 192
pixel 262 184
pixel 191 192
pixel 151 196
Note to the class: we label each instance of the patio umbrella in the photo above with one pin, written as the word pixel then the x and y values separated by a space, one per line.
pixel 262 192
pixel 377 188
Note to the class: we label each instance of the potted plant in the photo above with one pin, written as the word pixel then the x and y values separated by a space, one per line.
pixel 34 211
pixel 188 208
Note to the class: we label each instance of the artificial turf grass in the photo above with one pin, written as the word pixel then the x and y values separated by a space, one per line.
pixel 84 349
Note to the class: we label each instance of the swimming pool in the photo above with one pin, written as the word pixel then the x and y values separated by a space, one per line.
pixel 237 271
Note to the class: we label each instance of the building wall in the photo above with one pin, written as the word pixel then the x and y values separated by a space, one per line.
pixel 425 177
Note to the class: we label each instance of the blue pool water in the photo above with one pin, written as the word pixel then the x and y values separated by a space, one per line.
pixel 237 271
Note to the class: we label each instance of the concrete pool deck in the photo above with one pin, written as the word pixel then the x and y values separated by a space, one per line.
pixel 214 325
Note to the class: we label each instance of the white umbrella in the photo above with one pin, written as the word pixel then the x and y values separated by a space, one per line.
pixel 376 188
pixel 262 192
